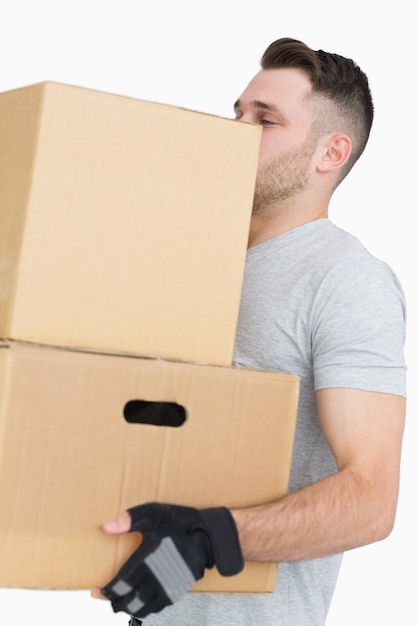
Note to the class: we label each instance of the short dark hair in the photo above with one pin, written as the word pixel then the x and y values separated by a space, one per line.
pixel 337 79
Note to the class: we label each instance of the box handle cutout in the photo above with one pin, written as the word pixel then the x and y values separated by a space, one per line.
pixel 155 413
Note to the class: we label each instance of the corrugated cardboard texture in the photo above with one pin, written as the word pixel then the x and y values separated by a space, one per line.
pixel 124 223
pixel 69 460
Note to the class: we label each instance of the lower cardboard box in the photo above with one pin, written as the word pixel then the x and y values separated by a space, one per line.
pixel 85 435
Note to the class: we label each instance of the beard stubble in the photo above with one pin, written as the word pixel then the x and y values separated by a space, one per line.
pixel 283 177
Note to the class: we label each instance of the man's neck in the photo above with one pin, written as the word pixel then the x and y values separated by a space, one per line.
pixel 264 227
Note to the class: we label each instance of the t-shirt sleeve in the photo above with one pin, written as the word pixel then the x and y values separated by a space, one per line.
pixel 358 329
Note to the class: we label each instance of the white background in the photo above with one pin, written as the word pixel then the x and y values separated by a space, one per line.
pixel 200 56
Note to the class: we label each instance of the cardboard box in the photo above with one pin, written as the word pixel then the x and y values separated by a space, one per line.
pixel 124 223
pixel 70 460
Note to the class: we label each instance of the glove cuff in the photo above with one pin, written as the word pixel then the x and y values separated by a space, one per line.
pixel 224 539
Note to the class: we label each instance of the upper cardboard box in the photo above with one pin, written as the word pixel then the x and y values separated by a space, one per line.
pixel 74 453
pixel 123 223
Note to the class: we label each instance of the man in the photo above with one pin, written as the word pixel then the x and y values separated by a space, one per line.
pixel 317 304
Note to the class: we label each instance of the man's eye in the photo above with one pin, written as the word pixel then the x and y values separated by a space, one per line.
pixel 264 122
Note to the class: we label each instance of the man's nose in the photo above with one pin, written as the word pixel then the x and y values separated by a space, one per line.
pixel 247 117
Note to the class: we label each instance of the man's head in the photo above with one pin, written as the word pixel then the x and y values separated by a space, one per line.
pixel 316 111
pixel 340 90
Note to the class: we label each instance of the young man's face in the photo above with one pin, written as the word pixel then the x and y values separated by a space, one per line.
pixel 278 100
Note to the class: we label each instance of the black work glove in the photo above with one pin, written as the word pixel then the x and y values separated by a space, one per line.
pixel 178 544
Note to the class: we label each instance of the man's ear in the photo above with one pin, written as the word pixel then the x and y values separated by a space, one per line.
pixel 337 149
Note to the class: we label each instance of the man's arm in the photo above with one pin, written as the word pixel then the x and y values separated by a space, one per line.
pixel 354 507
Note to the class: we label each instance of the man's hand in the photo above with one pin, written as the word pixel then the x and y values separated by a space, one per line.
pixel 178 544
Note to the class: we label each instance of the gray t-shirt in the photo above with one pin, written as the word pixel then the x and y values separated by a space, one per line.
pixel 317 304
